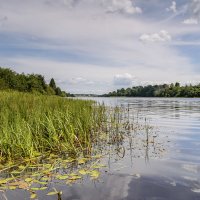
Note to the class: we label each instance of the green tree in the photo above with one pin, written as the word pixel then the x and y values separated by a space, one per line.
pixel 58 91
pixel 28 83
pixel 3 84
pixel 52 84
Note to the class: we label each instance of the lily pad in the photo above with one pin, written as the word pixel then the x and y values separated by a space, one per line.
pixel 52 193
pixel 62 177
pixel 38 189
pixel 33 196
pixel 28 180
pixel 95 174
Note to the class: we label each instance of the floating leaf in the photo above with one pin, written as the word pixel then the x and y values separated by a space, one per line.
pixel 81 161
pixel 3 181
pixel 75 177
pixel 94 174
pixel 33 196
pixel 40 182
pixel 98 166
pixel 19 184
pixel 62 177
pixel 28 180
pixel 52 193
pixel 3 188
pixel 10 179
pixel 12 187
pixel 83 172
pixel 36 189
pixel 45 179
pixel 23 185
pixel 73 174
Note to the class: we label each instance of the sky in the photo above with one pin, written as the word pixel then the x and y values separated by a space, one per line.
pixel 97 46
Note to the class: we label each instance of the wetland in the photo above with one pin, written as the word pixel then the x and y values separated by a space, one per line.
pixel 142 148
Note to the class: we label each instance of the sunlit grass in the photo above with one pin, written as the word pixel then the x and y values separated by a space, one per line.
pixel 33 125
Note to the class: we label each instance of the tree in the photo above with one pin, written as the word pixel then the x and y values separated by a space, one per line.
pixel 172 90
pixel 3 84
pixel 52 84
pixel 28 83
pixel 58 91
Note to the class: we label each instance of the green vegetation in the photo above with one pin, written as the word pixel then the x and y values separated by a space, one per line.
pixel 34 83
pixel 31 125
pixel 165 90
pixel 47 139
pixel 33 177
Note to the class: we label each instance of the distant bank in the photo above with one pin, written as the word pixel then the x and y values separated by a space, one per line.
pixel 164 90
pixel 34 83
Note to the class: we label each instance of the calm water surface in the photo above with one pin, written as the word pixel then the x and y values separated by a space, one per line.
pixel 166 168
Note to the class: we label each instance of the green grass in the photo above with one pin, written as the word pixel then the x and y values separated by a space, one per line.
pixel 32 125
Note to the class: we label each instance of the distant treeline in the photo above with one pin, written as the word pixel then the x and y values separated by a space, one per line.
pixel 34 83
pixel 165 90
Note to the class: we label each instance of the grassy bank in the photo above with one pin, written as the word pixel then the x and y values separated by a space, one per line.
pixel 32 125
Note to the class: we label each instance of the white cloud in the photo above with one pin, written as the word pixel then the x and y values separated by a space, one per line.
pixel 162 36
pixel 125 6
pixel 80 81
pixel 172 7
pixel 123 79
pixel 193 10
pixel 190 21
pixel 94 45
pixel 77 80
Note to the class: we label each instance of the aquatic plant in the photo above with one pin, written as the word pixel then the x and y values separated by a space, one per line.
pixel 35 125
pixel 38 174
pixel 40 136
pixel 49 139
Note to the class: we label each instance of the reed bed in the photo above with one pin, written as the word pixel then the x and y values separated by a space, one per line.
pixel 34 125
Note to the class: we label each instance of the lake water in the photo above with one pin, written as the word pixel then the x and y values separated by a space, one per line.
pixel 167 167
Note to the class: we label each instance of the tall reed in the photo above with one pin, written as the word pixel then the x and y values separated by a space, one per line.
pixel 32 125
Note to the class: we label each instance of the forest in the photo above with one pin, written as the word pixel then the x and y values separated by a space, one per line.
pixel 164 90
pixel 34 83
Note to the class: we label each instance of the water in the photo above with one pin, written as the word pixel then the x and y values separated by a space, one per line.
pixel 166 168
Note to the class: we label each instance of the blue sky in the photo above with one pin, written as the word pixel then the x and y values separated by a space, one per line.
pixel 96 46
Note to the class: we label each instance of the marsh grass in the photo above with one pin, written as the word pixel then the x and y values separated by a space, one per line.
pixel 34 125
pixel 47 140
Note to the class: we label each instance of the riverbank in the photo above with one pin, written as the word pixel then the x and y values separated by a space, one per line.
pixel 33 125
